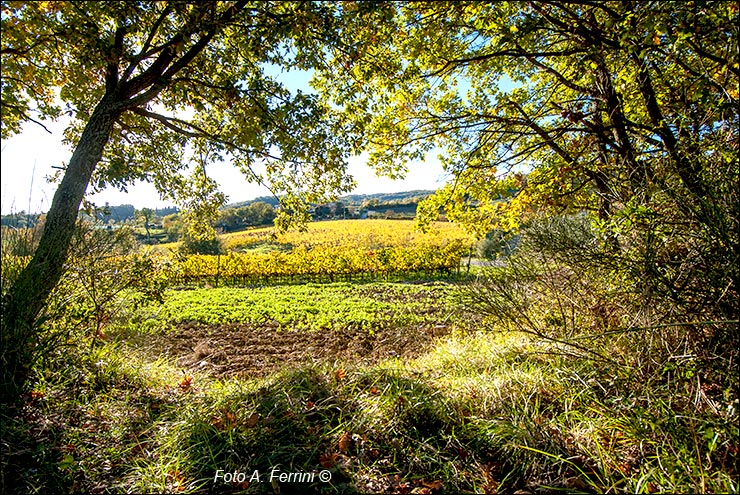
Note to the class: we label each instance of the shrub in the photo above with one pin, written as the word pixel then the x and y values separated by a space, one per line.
pixel 495 244
pixel 193 245
pixel 102 273
pixel 602 297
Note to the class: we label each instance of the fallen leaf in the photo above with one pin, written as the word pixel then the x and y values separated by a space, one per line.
pixel 253 420
pixel 401 487
pixel 186 383
pixel 345 442
pixel 340 374
pixel 178 478
pixel 229 419
pixel 328 460
pixel 434 485
pixel 490 487
pixel 35 395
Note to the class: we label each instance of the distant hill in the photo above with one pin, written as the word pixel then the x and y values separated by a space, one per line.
pixel 400 202
pixel 270 200
pixel 397 198
pixel 404 197
pixel 120 213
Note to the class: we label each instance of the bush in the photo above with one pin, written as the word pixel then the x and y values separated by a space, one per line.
pixel 191 245
pixel 495 244
pixel 600 297
pixel 659 370
pixel 102 273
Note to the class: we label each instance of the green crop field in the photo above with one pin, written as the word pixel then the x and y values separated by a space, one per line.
pixel 314 307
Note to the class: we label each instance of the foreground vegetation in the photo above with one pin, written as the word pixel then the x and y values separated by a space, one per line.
pixel 593 147
pixel 459 407
pixel 478 412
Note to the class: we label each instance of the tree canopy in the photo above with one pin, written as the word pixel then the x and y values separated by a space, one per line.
pixel 592 100
pixel 184 80
pixel 627 110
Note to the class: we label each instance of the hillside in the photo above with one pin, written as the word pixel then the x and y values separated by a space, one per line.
pixel 355 199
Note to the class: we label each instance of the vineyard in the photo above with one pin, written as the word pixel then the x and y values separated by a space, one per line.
pixel 326 251
pixel 345 250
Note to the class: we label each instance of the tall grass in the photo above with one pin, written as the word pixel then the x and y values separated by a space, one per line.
pixel 480 413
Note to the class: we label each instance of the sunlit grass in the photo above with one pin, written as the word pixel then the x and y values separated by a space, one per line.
pixel 481 411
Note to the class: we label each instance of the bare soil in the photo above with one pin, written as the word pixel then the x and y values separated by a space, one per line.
pixel 245 350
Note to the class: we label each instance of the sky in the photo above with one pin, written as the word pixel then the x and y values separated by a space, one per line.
pixel 28 158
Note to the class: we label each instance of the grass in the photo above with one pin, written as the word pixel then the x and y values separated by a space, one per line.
pixel 479 412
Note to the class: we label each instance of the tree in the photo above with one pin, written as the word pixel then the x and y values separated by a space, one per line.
pixel 146 84
pixel 228 220
pixel 173 225
pixel 338 209
pixel 624 109
pixel 146 215
pixel 259 213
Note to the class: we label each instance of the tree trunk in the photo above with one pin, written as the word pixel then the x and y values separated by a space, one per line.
pixel 24 302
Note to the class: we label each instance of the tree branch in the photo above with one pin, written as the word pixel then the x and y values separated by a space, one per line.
pixel 204 40
pixel 145 47
pixel 451 64
pixel 168 122
pixel 688 170
pixel 111 71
